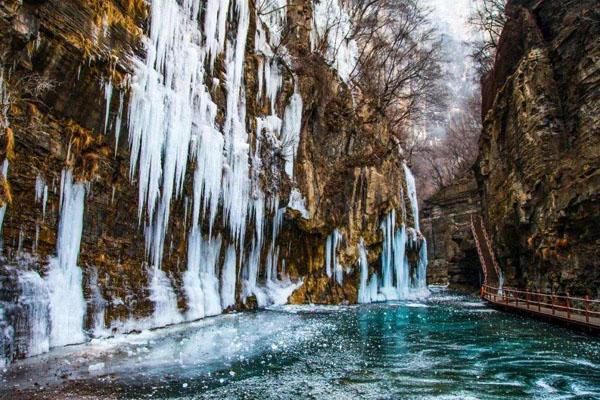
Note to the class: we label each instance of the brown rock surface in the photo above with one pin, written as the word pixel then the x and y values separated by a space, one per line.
pixel 445 222
pixel 349 171
pixel 539 164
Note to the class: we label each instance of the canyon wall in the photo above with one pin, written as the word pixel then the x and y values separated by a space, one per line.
pixel 157 170
pixel 540 149
pixel 446 222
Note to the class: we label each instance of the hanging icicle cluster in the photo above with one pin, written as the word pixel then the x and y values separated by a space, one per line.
pixel 397 280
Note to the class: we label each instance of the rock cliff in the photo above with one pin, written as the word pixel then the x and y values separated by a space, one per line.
pixel 446 220
pixel 158 172
pixel 539 152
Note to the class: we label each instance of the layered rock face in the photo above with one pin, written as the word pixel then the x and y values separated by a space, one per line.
pixel 540 148
pixel 446 222
pixel 164 162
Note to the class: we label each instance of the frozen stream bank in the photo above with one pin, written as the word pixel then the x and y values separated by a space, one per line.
pixel 448 345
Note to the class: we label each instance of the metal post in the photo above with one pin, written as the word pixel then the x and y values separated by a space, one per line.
pixel 587 308
pixel 568 307
pixel 539 302
pixel 527 299
pixel 553 308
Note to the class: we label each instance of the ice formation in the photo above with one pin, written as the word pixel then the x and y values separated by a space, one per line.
pixel 292 125
pixel 35 301
pixel 172 124
pixel 412 194
pixel 99 305
pixel 4 107
pixel 41 193
pixel 298 203
pixel 397 279
pixel 228 278
pixel 108 91
pixel 332 24
pixel 332 265
pixel 363 262
pixel 67 305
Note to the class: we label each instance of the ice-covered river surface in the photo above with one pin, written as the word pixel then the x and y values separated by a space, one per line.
pixel 448 346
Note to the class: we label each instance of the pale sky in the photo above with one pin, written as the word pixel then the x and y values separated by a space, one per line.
pixel 451 19
pixel 451 16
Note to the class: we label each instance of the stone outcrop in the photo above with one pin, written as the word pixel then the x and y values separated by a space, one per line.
pixel 63 58
pixel 539 163
pixel 445 221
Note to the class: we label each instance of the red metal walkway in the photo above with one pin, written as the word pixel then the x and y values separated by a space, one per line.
pixel 579 311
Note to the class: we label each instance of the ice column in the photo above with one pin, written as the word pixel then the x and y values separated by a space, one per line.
pixel 236 179
pixel 412 195
pixel 363 294
pixel 290 133
pixel 331 261
pixel 67 305
pixel 34 299
pixel 228 278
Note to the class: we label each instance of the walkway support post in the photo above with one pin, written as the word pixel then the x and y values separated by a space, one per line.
pixel 587 308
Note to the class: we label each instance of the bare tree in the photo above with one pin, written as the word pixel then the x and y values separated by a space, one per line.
pixel 487 20
pixel 398 62
pixel 438 162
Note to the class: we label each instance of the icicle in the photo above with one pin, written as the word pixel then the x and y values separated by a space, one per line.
pixel 228 279
pixel 412 195
pixel 237 183
pixel 34 299
pixel 363 292
pixel 273 252
pixel 41 193
pixel 331 262
pixel 421 283
pixel 118 122
pixel 67 305
pixel 273 82
pixel 162 108
pixel 253 262
pixel 328 252
pixel 108 89
pixel 215 27
pixel 388 227
pixel 397 281
pixel 192 284
pixel 290 133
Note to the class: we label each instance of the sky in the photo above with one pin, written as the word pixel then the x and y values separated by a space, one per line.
pixel 451 19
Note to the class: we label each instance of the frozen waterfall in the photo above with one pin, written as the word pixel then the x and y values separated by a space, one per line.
pixel 397 278
pixel 67 305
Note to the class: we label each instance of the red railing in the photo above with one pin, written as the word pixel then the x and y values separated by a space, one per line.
pixel 581 310
pixel 485 251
